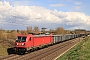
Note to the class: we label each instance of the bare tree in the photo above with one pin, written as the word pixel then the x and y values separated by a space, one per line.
pixel 29 29
pixel 36 30
pixel 60 30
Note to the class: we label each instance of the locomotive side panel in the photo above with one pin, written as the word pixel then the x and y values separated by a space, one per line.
pixel 41 40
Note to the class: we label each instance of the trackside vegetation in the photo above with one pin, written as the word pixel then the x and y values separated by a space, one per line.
pixel 3 50
pixel 79 52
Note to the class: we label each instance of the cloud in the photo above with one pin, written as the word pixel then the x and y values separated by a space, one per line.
pixel 78 3
pixel 58 14
pixel 77 7
pixel 0 16
pixel 57 5
pixel 18 17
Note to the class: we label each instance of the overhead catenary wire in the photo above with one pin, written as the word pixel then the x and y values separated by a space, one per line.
pixel 14 22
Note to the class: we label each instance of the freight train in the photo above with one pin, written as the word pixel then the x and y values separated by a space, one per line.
pixel 26 43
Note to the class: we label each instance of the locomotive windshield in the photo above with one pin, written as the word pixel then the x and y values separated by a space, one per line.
pixel 21 39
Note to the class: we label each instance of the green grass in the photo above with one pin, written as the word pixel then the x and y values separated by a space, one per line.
pixel 79 52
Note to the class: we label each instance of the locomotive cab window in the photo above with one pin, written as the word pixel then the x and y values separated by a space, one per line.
pixel 21 39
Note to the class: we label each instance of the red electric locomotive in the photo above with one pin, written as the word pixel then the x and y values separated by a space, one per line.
pixel 25 43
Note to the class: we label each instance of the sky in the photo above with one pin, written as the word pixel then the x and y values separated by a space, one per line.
pixel 69 14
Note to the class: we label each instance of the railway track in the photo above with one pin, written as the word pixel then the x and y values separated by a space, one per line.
pixel 44 54
pixel 7 56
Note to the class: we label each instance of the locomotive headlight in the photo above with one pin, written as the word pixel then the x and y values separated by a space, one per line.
pixel 17 43
pixel 23 44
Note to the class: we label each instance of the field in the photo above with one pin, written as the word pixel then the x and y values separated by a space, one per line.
pixel 4 45
pixel 79 52
pixel 3 50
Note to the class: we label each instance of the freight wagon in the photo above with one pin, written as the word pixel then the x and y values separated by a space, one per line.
pixel 25 43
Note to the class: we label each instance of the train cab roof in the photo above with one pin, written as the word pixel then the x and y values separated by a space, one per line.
pixel 34 35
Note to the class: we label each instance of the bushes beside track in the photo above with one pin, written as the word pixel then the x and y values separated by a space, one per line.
pixel 4 45
pixel 79 52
